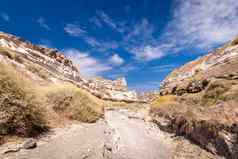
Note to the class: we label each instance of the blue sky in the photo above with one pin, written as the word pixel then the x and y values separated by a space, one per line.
pixel 142 40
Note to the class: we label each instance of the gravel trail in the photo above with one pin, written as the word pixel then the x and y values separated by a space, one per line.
pixel 123 134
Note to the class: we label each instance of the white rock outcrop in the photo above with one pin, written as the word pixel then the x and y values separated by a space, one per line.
pixel 62 68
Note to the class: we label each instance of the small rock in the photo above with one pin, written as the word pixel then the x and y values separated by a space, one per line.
pixel 10 150
pixel 108 147
pixel 29 144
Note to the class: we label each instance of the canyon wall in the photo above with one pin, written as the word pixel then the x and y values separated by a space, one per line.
pixel 60 67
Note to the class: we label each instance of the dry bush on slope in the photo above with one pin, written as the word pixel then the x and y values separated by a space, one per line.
pixel 20 112
pixel 11 54
pixel 74 103
pixel 38 71
pixel 27 109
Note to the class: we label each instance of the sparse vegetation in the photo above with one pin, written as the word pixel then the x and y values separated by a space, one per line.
pixel 7 52
pixel 27 109
pixel 71 102
pixel 215 92
pixel 21 113
pixel 163 100
pixel 37 70
pixel 234 42
pixel 11 54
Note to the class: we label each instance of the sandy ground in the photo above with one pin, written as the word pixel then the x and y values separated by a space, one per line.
pixel 121 135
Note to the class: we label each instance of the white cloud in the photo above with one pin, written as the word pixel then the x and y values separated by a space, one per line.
pixel 199 24
pixel 116 60
pixel 106 19
pixel 142 31
pixel 101 46
pixel 42 22
pixel 74 30
pixel 148 53
pixel 108 45
pixel 140 42
pixel 202 24
pixel 5 17
pixel 92 41
pixel 88 66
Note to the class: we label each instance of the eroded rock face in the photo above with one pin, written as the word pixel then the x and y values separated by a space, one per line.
pixel 60 67
pixel 190 77
pixel 211 135
pixel 204 104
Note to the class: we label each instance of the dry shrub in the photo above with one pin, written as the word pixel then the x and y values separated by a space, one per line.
pixel 192 99
pixel 8 53
pixel 164 105
pixel 74 103
pixel 37 70
pixel 215 92
pixel 234 42
pixel 163 100
pixel 20 113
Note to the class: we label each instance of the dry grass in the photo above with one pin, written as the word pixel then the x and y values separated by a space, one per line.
pixel 38 71
pixel 234 42
pixel 73 103
pixel 163 100
pixel 28 109
pixel 215 92
pixel 10 54
pixel 20 112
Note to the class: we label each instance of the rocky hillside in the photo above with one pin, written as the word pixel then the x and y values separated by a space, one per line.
pixel 59 67
pixel 195 75
pixel 199 101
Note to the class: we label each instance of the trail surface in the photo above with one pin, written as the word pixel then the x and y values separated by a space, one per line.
pixel 121 135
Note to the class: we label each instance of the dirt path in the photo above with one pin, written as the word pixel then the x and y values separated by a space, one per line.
pixel 136 139
pixel 122 135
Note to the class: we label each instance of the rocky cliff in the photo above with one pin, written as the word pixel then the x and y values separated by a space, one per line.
pixel 195 75
pixel 199 101
pixel 59 67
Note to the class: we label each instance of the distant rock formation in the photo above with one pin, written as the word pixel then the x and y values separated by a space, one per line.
pixel 62 68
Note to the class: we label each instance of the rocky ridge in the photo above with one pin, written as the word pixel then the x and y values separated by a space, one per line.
pixel 199 101
pixel 60 67
pixel 193 77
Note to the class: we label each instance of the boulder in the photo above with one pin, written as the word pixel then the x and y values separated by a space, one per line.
pixel 29 144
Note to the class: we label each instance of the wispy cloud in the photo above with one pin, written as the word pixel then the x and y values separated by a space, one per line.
pixel 88 65
pixel 92 41
pixel 96 21
pixel 115 59
pixel 201 24
pixel 42 22
pixel 147 52
pixel 142 31
pixel 102 19
pixel 195 24
pixel 101 45
pixel 5 17
pixel 74 30
pixel 106 19
pixel 141 42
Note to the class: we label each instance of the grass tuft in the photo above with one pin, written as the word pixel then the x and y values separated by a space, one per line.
pixel 20 112
pixel 74 103
pixel 163 100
